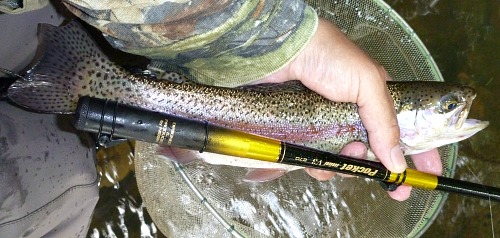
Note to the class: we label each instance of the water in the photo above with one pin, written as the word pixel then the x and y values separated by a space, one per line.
pixel 120 211
pixel 463 37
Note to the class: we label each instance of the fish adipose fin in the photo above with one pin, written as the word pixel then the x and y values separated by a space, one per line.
pixel 70 66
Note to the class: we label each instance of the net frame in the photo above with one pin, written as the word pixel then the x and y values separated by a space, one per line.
pixel 208 199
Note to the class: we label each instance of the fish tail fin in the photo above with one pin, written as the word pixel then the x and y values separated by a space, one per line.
pixel 71 65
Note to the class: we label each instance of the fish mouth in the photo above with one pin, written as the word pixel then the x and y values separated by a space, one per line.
pixel 464 128
pixel 462 116
pixel 470 127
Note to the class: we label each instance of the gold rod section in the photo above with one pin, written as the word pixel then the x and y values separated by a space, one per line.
pixel 414 178
pixel 241 144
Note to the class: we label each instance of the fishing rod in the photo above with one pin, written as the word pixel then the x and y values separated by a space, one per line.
pixel 113 120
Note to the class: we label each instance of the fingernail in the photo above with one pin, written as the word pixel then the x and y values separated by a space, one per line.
pixel 397 159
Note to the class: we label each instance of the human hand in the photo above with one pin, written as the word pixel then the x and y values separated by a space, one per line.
pixel 336 68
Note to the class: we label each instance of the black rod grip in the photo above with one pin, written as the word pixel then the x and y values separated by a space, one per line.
pixel 107 117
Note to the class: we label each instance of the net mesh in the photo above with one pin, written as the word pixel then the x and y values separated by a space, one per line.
pixel 210 200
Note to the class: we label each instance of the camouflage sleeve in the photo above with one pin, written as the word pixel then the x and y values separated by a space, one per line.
pixel 216 42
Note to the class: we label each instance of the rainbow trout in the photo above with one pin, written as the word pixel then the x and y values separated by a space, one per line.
pixel 430 114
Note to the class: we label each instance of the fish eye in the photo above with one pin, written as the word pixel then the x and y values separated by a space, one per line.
pixel 448 103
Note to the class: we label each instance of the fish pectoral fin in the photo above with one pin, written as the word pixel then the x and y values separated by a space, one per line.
pixel 181 156
pixel 263 175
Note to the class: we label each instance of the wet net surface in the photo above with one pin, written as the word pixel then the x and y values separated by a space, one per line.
pixel 185 201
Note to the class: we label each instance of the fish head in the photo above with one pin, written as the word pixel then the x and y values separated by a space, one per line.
pixel 435 114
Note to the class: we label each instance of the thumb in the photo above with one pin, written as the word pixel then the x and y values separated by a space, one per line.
pixel 376 109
